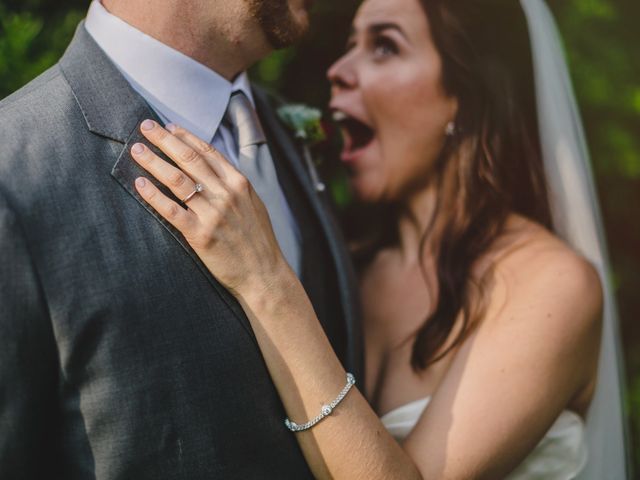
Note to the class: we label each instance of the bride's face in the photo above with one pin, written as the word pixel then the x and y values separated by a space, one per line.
pixel 387 94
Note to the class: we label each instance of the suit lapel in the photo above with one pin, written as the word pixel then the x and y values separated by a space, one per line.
pixel 126 170
pixel 112 109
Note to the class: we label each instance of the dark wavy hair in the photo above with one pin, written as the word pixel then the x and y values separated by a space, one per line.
pixel 489 168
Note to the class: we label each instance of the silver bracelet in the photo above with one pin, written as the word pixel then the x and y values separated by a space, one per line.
pixel 325 411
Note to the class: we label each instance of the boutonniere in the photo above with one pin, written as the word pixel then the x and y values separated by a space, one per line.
pixel 306 124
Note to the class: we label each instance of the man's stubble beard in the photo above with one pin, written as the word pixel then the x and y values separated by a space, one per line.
pixel 279 25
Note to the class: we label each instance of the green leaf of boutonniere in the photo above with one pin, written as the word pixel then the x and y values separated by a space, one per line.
pixel 304 121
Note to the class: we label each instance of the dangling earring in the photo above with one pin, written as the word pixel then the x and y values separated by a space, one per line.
pixel 450 129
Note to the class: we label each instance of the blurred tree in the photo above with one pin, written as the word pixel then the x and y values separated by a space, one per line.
pixel 33 35
pixel 603 43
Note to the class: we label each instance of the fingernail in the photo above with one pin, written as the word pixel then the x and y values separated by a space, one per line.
pixel 147 125
pixel 141 182
pixel 137 149
pixel 172 127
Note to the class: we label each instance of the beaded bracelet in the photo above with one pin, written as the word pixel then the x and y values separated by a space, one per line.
pixel 325 411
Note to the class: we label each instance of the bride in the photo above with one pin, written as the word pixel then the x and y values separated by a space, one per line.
pixel 483 324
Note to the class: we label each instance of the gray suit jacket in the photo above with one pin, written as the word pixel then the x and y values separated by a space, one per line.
pixel 120 355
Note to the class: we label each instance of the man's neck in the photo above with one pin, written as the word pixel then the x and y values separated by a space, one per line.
pixel 226 47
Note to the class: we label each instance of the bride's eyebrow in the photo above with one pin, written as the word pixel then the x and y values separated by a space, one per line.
pixel 375 29
pixel 380 27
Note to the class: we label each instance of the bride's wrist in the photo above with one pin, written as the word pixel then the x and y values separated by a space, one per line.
pixel 269 289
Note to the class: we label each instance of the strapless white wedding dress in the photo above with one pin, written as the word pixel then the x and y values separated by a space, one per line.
pixel 560 455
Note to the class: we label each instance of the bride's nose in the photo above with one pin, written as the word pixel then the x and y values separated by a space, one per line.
pixel 342 75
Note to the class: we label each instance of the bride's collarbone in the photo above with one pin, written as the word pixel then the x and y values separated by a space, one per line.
pixel 395 303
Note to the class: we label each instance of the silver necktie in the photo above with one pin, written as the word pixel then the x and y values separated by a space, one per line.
pixel 255 163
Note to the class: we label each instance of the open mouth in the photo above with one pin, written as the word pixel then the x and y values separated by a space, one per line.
pixel 356 134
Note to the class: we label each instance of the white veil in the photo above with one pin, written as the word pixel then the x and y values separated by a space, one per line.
pixel 576 218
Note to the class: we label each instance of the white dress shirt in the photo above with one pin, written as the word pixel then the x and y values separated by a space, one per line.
pixel 178 88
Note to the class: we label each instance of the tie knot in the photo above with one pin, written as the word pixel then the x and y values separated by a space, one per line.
pixel 244 121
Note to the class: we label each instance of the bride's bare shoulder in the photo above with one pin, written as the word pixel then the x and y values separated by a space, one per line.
pixel 547 300
pixel 534 269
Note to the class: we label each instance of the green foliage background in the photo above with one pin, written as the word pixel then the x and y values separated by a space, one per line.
pixel 602 39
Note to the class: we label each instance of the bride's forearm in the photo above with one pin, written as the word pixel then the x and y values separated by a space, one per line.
pixel 350 443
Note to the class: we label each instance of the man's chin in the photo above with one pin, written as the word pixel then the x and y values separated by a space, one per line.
pixel 282 23
pixel 302 13
pixel 296 28
pixel 304 25
pixel 284 39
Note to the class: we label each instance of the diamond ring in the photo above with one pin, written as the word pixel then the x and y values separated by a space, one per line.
pixel 197 189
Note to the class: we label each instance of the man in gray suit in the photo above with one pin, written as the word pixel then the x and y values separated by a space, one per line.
pixel 121 356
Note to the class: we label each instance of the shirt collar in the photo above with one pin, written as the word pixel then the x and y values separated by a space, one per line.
pixel 180 89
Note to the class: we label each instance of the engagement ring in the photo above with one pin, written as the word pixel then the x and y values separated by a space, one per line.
pixel 197 189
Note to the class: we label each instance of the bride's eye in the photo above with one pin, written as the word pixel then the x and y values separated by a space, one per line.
pixel 384 47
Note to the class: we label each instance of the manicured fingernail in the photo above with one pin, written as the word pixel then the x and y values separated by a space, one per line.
pixel 172 127
pixel 137 149
pixel 147 125
pixel 141 182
